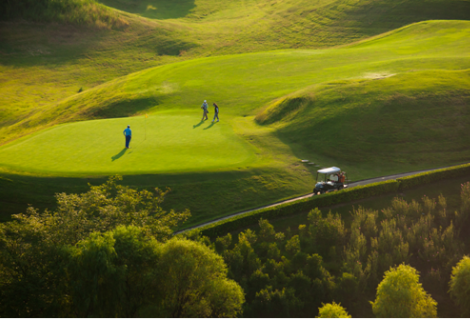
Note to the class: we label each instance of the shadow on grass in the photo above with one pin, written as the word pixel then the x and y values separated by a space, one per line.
pixel 212 124
pixel 154 9
pixel 120 154
pixel 125 108
pixel 197 125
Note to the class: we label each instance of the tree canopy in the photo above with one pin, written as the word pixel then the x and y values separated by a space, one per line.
pixel 400 295
pixel 460 285
pixel 110 253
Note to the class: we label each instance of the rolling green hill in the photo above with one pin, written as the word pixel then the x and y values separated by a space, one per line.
pixel 42 63
pixel 400 120
pixel 373 108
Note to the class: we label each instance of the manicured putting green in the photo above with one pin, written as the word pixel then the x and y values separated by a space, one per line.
pixel 165 142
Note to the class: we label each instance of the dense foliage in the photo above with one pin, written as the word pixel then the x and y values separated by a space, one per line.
pixel 291 273
pixel 108 253
pixel 460 285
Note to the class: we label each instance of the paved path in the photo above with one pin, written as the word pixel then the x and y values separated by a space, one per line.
pixel 351 185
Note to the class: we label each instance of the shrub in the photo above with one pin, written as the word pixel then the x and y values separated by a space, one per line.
pixel 432 176
pixel 332 310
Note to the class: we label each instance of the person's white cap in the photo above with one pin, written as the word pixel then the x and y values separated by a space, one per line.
pixel 128 126
pixel 205 101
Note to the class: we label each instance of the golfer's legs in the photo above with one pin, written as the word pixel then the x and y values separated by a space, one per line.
pixel 216 116
pixel 128 140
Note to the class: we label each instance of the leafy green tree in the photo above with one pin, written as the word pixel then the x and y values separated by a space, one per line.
pixel 138 255
pixel 293 246
pixel 193 283
pixel 400 295
pixel 27 266
pixel 275 303
pixel 326 232
pixel 347 290
pixel 36 248
pixel 266 232
pixel 95 281
pixel 460 285
pixel 332 310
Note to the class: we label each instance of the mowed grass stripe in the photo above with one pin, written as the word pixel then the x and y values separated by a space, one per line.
pixel 168 142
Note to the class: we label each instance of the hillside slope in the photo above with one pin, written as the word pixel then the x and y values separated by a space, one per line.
pixel 414 118
pixel 243 83
pixel 310 104
pixel 43 63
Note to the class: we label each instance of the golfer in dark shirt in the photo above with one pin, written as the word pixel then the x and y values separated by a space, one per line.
pixel 128 134
pixel 216 111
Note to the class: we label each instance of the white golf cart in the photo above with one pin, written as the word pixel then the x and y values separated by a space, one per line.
pixel 333 180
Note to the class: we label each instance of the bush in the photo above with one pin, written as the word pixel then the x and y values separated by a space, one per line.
pixel 332 310
pixel 433 176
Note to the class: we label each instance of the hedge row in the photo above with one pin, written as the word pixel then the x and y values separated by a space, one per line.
pixel 346 195
pixel 433 176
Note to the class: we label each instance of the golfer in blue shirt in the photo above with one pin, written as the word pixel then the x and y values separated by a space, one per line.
pixel 128 135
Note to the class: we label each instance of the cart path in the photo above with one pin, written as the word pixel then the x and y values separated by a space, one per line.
pixel 351 185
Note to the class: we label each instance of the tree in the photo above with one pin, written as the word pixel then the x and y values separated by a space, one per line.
pixel 460 285
pixel 95 280
pixel 332 310
pixel 400 295
pixel 193 282
pixel 36 248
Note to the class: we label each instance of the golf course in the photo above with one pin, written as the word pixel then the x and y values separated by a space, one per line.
pixel 374 99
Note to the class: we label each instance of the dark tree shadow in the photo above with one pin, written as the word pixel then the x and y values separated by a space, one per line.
pixel 197 125
pixel 120 154
pixel 209 126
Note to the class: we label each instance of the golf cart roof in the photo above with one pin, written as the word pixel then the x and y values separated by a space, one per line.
pixel 329 170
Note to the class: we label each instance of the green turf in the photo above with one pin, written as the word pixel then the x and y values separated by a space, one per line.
pixel 167 142
pixel 42 63
pixel 340 83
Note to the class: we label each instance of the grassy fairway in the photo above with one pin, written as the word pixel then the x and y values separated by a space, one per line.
pixel 308 104
pixel 246 82
pixel 167 142
pixel 42 63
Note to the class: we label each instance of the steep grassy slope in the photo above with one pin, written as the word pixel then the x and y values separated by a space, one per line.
pixel 247 25
pixel 415 118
